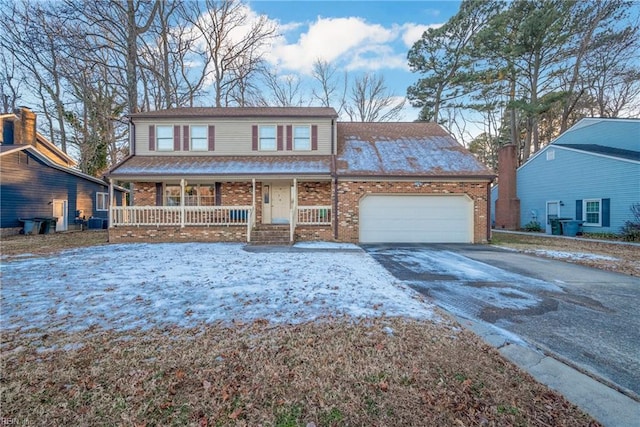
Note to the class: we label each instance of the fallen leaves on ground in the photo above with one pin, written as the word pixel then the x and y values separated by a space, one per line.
pixel 333 372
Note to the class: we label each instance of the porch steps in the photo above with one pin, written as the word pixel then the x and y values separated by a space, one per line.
pixel 269 234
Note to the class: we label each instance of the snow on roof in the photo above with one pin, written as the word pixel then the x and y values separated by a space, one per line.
pixel 397 149
pixel 223 165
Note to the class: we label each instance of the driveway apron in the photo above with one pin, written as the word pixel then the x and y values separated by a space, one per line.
pixel 586 316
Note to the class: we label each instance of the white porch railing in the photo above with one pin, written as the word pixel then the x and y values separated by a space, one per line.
pixel 314 215
pixel 181 215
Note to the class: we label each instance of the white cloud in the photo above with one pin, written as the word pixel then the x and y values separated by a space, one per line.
pixel 413 32
pixel 332 39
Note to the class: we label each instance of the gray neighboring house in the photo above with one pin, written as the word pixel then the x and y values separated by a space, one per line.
pixel 590 173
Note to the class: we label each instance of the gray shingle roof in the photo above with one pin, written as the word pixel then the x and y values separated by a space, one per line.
pixel 239 112
pixel 403 149
pixel 223 166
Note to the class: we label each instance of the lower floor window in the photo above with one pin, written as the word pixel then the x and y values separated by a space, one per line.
pixel 102 201
pixel 194 195
pixel 592 212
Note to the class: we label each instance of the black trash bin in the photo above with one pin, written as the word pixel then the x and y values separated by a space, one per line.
pixel 47 224
pixel 556 226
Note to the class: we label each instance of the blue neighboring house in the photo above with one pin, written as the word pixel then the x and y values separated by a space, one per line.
pixel 37 180
pixel 589 173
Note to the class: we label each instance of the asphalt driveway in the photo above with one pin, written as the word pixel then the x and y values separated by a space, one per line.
pixel 586 316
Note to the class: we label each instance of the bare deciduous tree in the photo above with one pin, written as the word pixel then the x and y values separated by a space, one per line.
pixel 333 90
pixel 232 41
pixel 371 101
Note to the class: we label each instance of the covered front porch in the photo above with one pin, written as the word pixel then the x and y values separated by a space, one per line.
pixel 225 210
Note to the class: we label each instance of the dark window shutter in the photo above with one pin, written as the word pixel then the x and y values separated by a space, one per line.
pixel 218 193
pixel 606 212
pixel 176 138
pixel 280 138
pixel 211 134
pixel 185 138
pixel 158 194
pixel 314 137
pixel 152 138
pixel 254 138
pixel 579 210
pixel 289 138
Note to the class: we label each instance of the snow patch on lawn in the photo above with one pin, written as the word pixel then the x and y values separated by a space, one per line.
pixel 571 255
pixel 159 285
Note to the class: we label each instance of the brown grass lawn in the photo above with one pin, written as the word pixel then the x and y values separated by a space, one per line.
pixel 332 372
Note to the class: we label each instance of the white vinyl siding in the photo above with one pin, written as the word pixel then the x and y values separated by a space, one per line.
pixel 416 219
pixel 199 140
pixel 233 137
pixel 164 138
pixel 302 138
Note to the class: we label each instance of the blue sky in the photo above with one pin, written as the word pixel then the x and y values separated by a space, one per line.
pixel 356 36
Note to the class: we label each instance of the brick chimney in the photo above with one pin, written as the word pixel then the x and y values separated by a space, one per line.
pixel 24 131
pixel 508 204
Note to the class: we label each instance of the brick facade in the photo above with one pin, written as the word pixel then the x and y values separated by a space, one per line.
pixel 309 194
pixel 133 234
pixel 350 193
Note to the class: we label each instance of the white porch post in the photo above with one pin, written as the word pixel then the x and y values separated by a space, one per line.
pixel 111 203
pixel 182 195
pixel 294 210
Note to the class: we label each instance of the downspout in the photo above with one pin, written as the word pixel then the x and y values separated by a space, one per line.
pixel 334 178
pixel 489 211
pixel 132 137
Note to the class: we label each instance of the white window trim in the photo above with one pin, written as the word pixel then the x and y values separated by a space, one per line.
pixel 551 154
pixel 275 138
pixel 293 137
pixel 584 213
pixel 206 138
pixel 104 197
pixel 170 148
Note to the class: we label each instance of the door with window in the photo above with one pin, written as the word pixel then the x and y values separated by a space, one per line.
pixel 60 211
pixel 553 211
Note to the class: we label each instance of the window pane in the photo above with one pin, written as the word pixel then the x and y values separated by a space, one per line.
pixel 267 131
pixel 301 132
pixel 267 137
pixel 165 132
pixel 165 138
pixel 172 195
pixel 199 131
pixel 301 139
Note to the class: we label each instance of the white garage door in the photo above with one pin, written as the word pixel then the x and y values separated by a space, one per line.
pixel 416 219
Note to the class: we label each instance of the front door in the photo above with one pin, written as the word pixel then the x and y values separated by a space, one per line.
pixel 60 211
pixel 280 202
pixel 553 211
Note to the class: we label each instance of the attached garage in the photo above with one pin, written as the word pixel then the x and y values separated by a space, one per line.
pixel 403 218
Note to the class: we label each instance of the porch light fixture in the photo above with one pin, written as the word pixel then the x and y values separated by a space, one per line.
pixel 417 184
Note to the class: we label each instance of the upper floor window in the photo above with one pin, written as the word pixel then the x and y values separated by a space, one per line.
pixel 102 201
pixel 592 209
pixel 267 138
pixel 301 138
pixel 164 137
pixel 199 138
pixel 551 154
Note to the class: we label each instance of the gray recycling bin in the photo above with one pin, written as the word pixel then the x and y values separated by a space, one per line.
pixel 571 227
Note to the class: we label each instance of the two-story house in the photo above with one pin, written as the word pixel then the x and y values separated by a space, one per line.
pixel 296 173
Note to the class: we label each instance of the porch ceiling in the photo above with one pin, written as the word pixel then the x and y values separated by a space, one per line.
pixel 163 166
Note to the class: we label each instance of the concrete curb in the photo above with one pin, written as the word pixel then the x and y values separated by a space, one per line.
pixel 605 404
